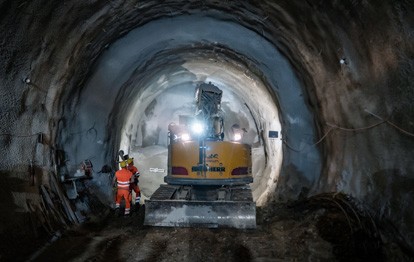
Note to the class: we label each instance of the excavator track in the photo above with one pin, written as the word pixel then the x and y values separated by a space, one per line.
pixel 212 207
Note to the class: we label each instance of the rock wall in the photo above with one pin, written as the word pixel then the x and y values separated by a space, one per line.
pixel 353 59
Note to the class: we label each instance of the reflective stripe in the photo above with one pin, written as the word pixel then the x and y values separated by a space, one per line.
pixel 123 185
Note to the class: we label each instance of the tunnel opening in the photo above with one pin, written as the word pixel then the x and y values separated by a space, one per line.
pixel 147 118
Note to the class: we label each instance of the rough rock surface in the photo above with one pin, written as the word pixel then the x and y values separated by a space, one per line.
pixel 340 75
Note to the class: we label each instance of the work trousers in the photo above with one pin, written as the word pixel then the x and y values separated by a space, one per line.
pixel 137 191
pixel 124 194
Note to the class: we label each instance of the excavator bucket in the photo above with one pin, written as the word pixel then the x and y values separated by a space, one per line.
pixel 164 209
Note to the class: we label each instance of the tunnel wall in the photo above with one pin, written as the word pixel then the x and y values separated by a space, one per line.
pixel 354 58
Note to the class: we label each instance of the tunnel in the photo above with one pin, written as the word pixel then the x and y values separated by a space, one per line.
pixel 324 92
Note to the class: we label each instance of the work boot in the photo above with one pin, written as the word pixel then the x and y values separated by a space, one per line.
pixel 136 207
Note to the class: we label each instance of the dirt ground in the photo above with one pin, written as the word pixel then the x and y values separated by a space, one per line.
pixel 319 229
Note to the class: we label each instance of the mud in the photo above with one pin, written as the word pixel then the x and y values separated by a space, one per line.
pixel 323 228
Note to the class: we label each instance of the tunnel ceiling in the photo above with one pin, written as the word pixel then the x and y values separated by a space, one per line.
pixel 338 75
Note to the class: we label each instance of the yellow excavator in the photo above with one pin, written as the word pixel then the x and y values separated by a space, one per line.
pixel 208 178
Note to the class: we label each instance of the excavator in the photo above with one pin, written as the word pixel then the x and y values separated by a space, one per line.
pixel 207 183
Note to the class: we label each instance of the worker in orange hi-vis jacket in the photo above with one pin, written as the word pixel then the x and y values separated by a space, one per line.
pixel 123 178
pixel 134 184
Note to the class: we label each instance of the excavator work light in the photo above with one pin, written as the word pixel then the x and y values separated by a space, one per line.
pixel 197 128
pixel 185 137
pixel 237 137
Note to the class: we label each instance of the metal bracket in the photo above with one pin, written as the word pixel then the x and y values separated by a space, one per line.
pixel 184 193
pixel 221 194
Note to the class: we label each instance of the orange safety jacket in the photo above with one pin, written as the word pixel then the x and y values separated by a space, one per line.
pixel 123 178
pixel 133 169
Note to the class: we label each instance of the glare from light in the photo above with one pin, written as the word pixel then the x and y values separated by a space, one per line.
pixel 185 137
pixel 237 137
pixel 197 128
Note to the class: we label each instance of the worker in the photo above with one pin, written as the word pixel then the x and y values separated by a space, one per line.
pixel 134 185
pixel 124 178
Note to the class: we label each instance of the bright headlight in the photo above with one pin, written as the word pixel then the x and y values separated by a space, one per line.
pixel 237 137
pixel 185 137
pixel 197 128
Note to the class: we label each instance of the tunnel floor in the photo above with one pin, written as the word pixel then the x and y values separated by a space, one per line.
pixel 322 228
